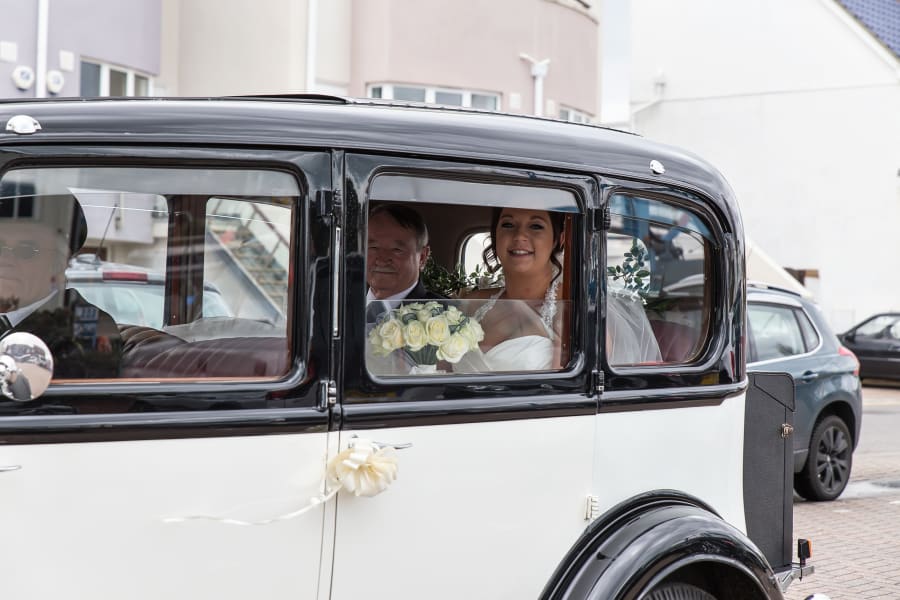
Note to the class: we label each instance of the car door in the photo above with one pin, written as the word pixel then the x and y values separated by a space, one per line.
pixel 494 468
pixel 875 346
pixel 177 460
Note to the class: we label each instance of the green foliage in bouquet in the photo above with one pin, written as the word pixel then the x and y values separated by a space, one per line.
pixel 440 280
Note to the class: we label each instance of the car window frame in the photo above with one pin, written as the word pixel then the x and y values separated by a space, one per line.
pixel 307 169
pixel 702 370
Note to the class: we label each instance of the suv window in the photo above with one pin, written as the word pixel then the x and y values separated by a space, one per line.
pixel 659 274
pixel 193 280
pixel 779 331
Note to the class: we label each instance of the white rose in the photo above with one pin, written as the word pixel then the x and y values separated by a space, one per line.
pixel 432 304
pixel 414 335
pixel 423 315
pixel 453 349
pixel 391 334
pixel 473 333
pixel 376 342
pixel 415 306
pixel 438 330
pixel 453 315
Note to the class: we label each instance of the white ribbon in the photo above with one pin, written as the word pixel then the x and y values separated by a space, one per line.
pixel 362 469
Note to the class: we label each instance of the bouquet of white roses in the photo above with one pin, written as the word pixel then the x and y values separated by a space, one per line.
pixel 426 332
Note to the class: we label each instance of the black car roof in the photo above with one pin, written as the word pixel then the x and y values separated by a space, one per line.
pixel 331 122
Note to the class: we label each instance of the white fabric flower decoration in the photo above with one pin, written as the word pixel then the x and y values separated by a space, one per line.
pixel 363 469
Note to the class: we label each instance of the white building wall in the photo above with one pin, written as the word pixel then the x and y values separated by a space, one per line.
pixel 798 107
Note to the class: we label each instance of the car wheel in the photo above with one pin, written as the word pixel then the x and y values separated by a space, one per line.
pixel 827 468
pixel 678 591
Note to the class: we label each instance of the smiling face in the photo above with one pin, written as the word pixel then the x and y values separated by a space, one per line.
pixel 524 241
pixel 393 260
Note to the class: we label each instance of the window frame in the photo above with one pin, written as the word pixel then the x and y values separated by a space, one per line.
pixel 104 84
pixel 387 93
pixel 797 312
pixel 357 376
pixel 303 169
pixel 709 366
pixel 573 115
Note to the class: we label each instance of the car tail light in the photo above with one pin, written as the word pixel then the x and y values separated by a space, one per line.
pixel 847 352
pixel 124 276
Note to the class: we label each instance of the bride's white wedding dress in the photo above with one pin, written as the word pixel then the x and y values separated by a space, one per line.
pixel 523 353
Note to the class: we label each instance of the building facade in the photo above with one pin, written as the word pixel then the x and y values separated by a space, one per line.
pixel 797 103
pixel 527 56
pixel 79 47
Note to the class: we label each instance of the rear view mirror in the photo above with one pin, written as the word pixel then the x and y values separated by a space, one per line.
pixel 26 366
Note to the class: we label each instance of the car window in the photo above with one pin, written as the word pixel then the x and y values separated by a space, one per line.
pixel 444 300
pixel 810 335
pixel 659 282
pixel 168 273
pixel 876 325
pixel 775 330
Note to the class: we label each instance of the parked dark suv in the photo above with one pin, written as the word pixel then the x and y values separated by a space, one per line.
pixel 789 333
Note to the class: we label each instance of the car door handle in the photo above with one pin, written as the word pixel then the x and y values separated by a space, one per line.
pixel 808 376
pixel 4 469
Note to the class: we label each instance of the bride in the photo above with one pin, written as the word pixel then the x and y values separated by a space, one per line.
pixel 520 321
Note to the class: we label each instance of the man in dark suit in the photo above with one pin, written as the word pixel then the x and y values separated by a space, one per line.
pixel 397 252
pixel 37 236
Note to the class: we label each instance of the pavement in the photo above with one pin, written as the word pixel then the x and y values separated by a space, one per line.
pixel 856 538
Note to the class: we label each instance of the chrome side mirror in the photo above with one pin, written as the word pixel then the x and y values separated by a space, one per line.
pixel 26 366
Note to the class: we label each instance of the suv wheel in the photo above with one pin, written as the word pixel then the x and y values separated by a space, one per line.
pixel 827 468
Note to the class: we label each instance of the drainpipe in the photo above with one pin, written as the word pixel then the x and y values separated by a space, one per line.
pixel 40 79
pixel 659 88
pixel 538 72
pixel 312 29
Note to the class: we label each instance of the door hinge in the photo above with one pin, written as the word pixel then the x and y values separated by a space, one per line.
pixel 597 382
pixel 600 218
pixel 592 508
pixel 324 202
pixel 786 430
pixel 327 394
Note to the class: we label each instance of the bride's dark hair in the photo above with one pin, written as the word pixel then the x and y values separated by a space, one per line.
pixel 557 223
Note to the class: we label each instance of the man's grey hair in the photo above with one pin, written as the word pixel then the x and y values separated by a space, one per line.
pixel 406 217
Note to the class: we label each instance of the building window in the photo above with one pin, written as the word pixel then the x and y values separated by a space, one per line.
pixel 435 95
pixel 100 79
pixel 573 116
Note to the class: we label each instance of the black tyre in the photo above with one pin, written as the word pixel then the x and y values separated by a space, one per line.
pixel 827 468
pixel 678 591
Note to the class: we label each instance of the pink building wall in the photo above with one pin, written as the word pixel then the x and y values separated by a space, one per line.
pixel 476 45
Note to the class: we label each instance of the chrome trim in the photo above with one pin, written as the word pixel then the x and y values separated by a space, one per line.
pixel 23 125
pixel 336 284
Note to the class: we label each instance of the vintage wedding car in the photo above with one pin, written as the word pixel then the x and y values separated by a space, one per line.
pixel 263 452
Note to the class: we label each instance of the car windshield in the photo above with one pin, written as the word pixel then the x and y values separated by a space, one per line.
pixel 141 303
